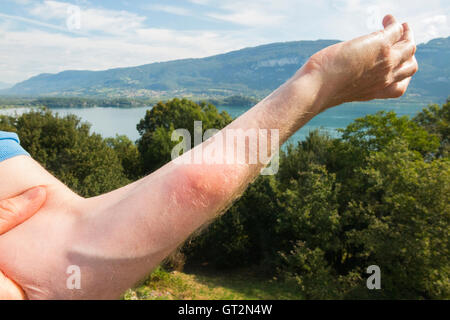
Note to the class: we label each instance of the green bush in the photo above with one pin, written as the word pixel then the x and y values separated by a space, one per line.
pixel 65 147
pixel 377 195
pixel 155 144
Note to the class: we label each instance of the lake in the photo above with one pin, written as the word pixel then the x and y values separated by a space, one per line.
pixel 111 121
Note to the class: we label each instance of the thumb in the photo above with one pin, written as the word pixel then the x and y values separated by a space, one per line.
pixel 16 210
pixel 9 290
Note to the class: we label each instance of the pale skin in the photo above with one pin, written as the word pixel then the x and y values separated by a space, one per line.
pixel 13 212
pixel 117 238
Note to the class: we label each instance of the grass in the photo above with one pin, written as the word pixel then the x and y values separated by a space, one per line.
pixel 175 285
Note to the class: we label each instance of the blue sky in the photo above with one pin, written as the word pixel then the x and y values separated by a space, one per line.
pixel 46 36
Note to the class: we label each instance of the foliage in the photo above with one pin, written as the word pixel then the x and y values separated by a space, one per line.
pixel 314 277
pixel 66 148
pixel 73 102
pixel 374 132
pixel 436 120
pixel 408 213
pixel 77 102
pixel 128 154
pixel 155 144
pixel 201 285
pixel 235 100
pixel 377 195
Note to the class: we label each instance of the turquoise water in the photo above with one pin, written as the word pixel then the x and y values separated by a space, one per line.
pixel 111 121
pixel 341 116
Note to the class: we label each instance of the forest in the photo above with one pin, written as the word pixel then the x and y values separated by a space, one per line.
pixel 104 102
pixel 375 195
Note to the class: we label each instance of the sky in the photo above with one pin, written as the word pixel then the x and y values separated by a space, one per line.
pixel 46 36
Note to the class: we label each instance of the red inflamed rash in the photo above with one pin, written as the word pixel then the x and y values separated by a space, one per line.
pixel 203 192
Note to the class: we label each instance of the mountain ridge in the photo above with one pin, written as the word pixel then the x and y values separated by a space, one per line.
pixel 251 71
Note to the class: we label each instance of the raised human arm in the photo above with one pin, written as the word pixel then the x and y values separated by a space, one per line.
pixel 117 238
pixel 186 196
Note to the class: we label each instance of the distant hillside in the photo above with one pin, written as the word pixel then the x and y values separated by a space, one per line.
pixel 433 77
pixel 249 72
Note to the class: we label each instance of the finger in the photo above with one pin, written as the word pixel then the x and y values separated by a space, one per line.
pixel 405 51
pixel 406 48
pixel 395 90
pixel 16 210
pixel 408 34
pixel 406 70
pixel 388 20
pixel 393 30
pixel 9 290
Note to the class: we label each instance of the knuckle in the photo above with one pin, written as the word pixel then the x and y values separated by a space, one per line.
pixel 416 66
pixel 411 48
pixel 384 35
pixel 314 62
pixel 385 50
pixel 385 69
pixel 390 62
pixel 398 92
pixel 386 81
pixel 387 59
pixel 414 48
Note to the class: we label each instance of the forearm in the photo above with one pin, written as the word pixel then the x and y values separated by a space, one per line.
pixel 142 223
pixel 118 237
pixel 179 198
pixel 289 107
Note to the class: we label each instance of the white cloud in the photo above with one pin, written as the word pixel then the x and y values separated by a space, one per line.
pixel 202 2
pixel 92 19
pixel 32 52
pixel 433 26
pixel 50 10
pixel 428 19
pixel 170 9
pixel 332 19
pixel 249 17
pixel 41 41
pixel 260 13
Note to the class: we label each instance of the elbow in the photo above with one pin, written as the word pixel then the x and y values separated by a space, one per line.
pixel 204 186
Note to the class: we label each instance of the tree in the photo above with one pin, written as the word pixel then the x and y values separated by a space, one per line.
pixel 374 132
pixel 66 148
pixel 128 154
pixel 436 120
pixel 406 208
pixel 155 144
pixel 377 195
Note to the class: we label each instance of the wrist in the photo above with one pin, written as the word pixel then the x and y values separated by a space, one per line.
pixel 309 81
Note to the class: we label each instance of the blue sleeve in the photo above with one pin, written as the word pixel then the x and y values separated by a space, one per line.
pixel 10 146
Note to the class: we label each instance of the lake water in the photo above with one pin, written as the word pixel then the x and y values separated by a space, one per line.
pixel 111 121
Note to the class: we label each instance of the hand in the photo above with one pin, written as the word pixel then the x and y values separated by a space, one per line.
pixel 13 212
pixel 376 66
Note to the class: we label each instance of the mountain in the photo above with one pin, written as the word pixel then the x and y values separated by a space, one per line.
pixel 250 72
pixel 433 77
